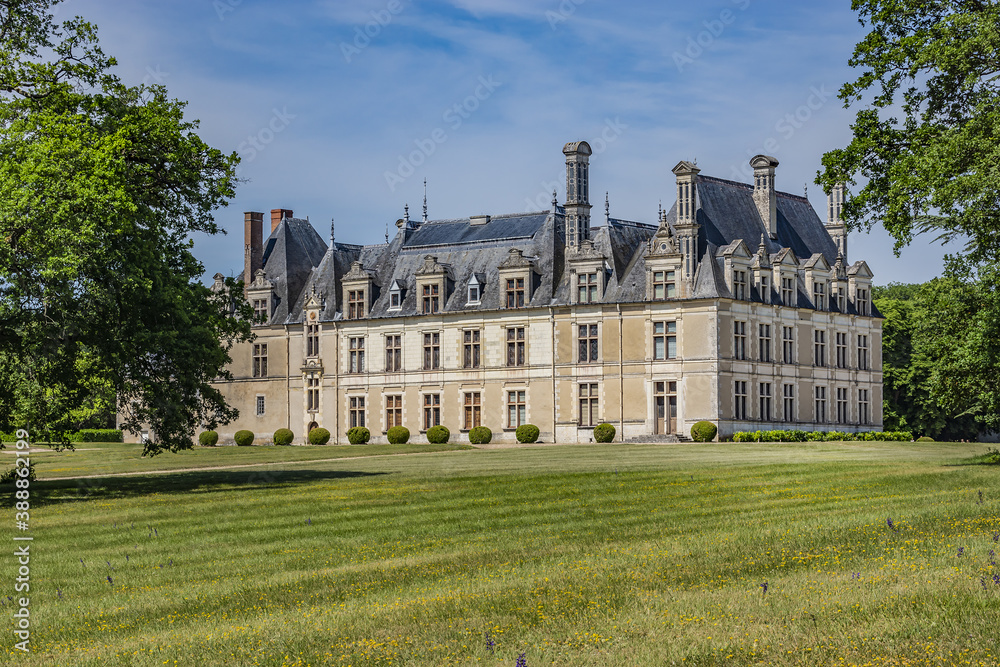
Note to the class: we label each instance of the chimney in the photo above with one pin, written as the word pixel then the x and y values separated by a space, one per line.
pixel 577 192
pixel 834 218
pixel 686 224
pixel 253 252
pixel 763 192
pixel 277 214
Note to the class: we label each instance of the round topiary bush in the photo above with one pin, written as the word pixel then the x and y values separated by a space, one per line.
pixel 244 438
pixel 283 436
pixel 208 438
pixel 604 433
pixel 438 435
pixel 398 435
pixel 358 435
pixel 527 433
pixel 925 438
pixel 319 436
pixel 480 435
pixel 704 432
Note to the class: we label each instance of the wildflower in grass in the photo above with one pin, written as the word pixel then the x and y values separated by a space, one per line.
pixel 171 563
pixel 996 579
pixel 522 660
pixel 855 575
pixel 980 498
pixel 996 537
pixel 109 565
pixel 59 593
pixel 490 642
pixel 993 557
pixel 126 558
pixel 891 525
pixel 309 521
pixel 764 587
pixel 961 551
pixel 109 580
pixel 982 580
pixel 82 563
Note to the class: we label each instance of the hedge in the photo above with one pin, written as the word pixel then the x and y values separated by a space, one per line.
pixel 822 436
pixel 244 438
pixel 704 431
pixel 358 435
pixel 480 435
pixel 319 436
pixel 83 435
pixel 398 435
pixel 604 433
pixel 527 433
pixel 438 435
pixel 283 436
pixel 208 438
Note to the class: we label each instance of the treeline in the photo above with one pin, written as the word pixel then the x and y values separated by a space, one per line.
pixel 941 353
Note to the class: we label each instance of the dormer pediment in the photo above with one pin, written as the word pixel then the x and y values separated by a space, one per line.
pixel 260 281
pixel 785 258
pixel 817 263
pixel 357 274
pixel 685 168
pixel 860 269
pixel 431 267
pixel 315 300
pixel 735 250
pixel 663 243
pixel 516 260
pixel 587 252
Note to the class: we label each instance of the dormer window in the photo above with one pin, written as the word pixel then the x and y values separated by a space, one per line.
pixel 515 293
pixel 787 291
pixel 861 302
pixel 587 287
pixel 260 310
pixel 312 340
pixel 765 289
pixel 740 285
pixel 431 299
pixel 819 295
pixel 664 285
pixel 395 296
pixel 356 304
pixel 475 292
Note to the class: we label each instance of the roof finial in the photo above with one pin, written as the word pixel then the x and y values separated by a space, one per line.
pixel 555 200
pixel 806 190
pixel 386 231
pixel 331 232
pixel 425 200
pixel 607 208
pixel 406 210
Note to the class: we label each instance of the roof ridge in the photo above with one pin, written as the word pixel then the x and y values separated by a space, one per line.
pixel 747 186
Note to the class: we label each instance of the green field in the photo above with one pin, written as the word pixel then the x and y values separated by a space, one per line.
pixel 575 555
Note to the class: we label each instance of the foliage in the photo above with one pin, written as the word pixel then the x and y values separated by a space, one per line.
pixel 244 438
pixel 925 139
pixel 527 433
pixel 990 458
pixel 398 435
pixel 480 435
pixel 704 431
pixel 604 433
pixel 283 437
pixel 925 438
pixel 97 435
pixel 822 436
pixel 208 438
pixel 438 435
pixel 11 475
pixel 101 188
pixel 359 435
pixel 319 436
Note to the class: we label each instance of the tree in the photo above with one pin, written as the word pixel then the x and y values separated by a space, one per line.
pixel 101 186
pixel 926 142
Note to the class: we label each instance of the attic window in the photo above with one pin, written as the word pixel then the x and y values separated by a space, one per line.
pixel 475 291
pixel 740 285
pixel 395 298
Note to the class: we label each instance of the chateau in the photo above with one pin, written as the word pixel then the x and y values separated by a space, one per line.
pixel 739 307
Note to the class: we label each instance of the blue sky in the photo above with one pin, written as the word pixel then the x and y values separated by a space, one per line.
pixel 342 109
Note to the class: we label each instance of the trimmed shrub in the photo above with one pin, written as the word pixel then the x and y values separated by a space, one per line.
pixel 438 435
pixel 358 435
pixel 925 438
pixel 97 435
pixel 319 436
pixel 12 474
pixel 398 435
pixel 527 433
pixel 283 436
pixel 208 438
pixel 604 433
pixel 480 435
pixel 244 438
pixel 704 431
pixel 821 436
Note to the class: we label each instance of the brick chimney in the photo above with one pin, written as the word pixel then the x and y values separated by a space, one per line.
pixel 763 192
pixel 253 240
pixel 277 214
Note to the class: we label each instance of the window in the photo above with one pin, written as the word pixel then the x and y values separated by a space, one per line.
pixel 588 343
pixel 260 313
pixel 765 401
pixel 470 348
pixel 664 340
pixel 357 358
pixel 356 411
pixel 788 345
pixel 861 302
pixel 260 360
pixel 739 340
pixel 765 342
pixel 740 285
pixel 474 294
pixel 432 351
pixel 517 411
pixel 473 410
pixel 432 410
pixel 841 350
pixel 819 347
pixel 864 417
pixel 842 405
pixel 765 289
pixel 586 285
pixel 355 304
pixel 431 303
pixel 395 299
pixel 819 295
pixel 515 346
pixel 260 406
pixel 588 405
pixel 312 393
pixel 664 285
pixel 312 340
pixel 841 300
pixel 515 292
pixel 863 353
pixel 740 404
pixel 820 404
pixel 393 411
pixel 788 291
pixel 393 354
pixel 789 402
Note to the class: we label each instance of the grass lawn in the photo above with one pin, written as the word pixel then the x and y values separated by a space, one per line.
pixel 575 555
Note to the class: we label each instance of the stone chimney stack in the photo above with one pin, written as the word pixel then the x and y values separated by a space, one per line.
pixel 834 218
pixel 763 192
pixel 577 192
pixel 253 240
pixel 686 224
pixel 277 214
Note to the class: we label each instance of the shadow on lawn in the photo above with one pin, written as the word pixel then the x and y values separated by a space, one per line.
pixel 208 481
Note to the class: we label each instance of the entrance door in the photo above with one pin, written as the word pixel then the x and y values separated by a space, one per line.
pixel 665 407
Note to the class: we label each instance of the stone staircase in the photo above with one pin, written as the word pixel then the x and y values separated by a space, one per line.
pixel 656 439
